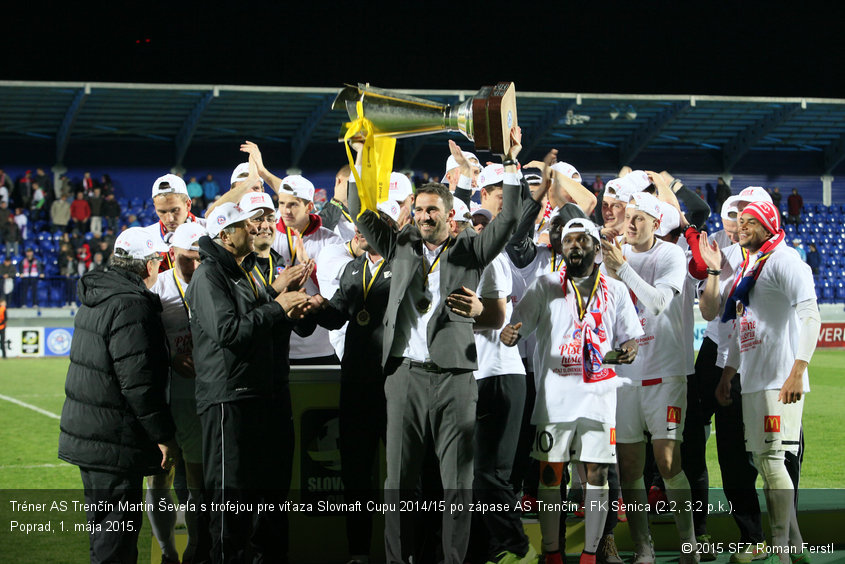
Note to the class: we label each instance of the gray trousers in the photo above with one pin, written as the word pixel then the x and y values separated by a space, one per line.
pixel 425 406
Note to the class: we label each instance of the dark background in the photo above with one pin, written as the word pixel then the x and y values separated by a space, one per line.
pixel 731 48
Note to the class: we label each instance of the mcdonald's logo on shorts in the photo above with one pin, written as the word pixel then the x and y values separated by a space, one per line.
pixel 613 435
pixel 673 414
pixel 771 424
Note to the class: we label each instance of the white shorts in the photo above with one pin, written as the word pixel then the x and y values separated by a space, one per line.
pixel 584 440
pixel 659 409
pixel 188 429
pixel 770 424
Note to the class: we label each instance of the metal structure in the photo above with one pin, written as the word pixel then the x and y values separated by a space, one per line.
pixel 618 128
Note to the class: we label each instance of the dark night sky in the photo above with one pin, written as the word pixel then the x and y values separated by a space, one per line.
pixel 736 48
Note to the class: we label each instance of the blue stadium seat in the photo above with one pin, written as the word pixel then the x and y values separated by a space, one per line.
pixel 839 291
pixel 137 202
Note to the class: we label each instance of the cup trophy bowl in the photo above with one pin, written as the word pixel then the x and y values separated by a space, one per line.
pixel 486 118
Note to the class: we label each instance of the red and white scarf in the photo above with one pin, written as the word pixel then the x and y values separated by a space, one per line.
pixel 589 327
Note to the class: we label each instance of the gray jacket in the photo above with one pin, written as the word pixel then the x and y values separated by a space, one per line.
pixel 451 342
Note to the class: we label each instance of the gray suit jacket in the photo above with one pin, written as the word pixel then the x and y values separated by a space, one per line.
pixel 451 343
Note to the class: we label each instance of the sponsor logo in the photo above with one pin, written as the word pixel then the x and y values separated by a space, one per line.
pixel 613 435
pixel 58 342
pixel 771 424
pixel 673 414
pixel 30 342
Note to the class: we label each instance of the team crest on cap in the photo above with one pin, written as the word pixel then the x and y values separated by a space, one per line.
pixel 220 220
pixel 149 243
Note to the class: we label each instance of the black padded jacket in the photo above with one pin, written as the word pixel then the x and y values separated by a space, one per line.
pixel 115 410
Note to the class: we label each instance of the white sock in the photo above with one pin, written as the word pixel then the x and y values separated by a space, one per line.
pixel 780 498
pixel 677 492
pixel 595 515
pixel 549 520
pixel 162 522
pixel 633 493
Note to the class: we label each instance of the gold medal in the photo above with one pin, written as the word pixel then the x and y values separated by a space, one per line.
pixel 363 318
pixel 740 309
pixel 424 305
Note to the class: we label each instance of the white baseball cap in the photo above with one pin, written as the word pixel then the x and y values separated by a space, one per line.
pixel 187 236
pixel 754 194
pixel 461 210
pixel 225 215
pixel 728 207
pixel 254 201
pixel 175 185
pixel 139 243
pixel 491 174
pixel 400 187
pixel 567 170
pixel 612 187
pixel 391 208
pixel 670 220
pixel 299 186
pixel 645 202
pixel 452 163
pixel 638 179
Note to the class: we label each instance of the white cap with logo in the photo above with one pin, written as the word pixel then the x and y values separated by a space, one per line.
pixel 391 208
pixel 299 186
pixel 728 208
pixel 567 170
pixel 452 163
pixel 139 243
pixel 754 194
pixel 173 185
pixel 225 215
pixel 491 174
pixel 670 220
pixel 646 203
pixel 187 236
pixel 254 201
pixel 400 187
pixel 461 210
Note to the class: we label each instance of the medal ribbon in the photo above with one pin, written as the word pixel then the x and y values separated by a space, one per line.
pixel 251 281
pixel 372 280
pixel 556 267
pixel 182 294
pixel 270 274
pixel 436 260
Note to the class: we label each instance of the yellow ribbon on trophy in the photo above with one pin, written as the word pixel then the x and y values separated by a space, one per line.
pixel 376 162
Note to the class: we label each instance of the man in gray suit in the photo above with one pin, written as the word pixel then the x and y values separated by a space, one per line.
pixel 429 352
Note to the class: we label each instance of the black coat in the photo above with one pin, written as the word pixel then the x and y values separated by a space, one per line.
pixel 115 411
pixel 232 322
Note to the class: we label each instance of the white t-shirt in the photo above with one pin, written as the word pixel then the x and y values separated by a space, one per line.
pixel 177 326
pixel 562 394
pixel 318 343
pixel 410 321
pixel 494 358
pixel 663 349
pixel 333 259
pixel 768 329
